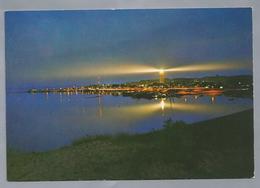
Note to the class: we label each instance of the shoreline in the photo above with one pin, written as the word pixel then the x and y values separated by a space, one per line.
pixel 239 85
pixel 178 151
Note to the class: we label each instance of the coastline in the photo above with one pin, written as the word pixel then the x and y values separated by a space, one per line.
pixel 217 148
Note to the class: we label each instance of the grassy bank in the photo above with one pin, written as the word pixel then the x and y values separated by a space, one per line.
pixel 218 148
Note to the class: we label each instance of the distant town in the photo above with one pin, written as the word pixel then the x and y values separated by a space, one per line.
pixel 234 86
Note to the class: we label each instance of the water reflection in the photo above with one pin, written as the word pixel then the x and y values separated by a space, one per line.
pixel 47 95
pixel 65 117
pixel 61 98
pixel 100 106
pixel 213 99
pixel 143 110
pixel 164 107
pixel 162 104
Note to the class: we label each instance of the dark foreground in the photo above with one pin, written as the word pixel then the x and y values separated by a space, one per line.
pixel 218 148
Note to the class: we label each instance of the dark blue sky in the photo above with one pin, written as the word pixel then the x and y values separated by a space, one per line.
pixel 40 44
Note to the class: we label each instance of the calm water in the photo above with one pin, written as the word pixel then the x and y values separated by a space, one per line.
pixel 40 122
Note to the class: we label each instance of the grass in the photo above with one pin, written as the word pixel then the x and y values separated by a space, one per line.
pixel 218 148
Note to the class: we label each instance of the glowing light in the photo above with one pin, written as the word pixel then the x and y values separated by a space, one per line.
pixel 162 104
pixel 128 68
pixel 162 76
pixel 206 67
pixel 103 70
pixel 161 71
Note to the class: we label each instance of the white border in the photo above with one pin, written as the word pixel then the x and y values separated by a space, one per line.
pixel 131 4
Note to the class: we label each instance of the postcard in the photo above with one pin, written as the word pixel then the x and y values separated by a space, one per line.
pixel 130 94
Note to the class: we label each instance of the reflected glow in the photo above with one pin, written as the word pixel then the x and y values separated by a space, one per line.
pixel 117 115
pixel 141 111
pixel 162 104
pixel 134 112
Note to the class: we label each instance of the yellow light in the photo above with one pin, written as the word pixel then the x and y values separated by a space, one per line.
pixel 206 67
pixel 161 71
pixel 162 104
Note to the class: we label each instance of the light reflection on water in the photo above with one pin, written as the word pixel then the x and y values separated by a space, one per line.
pixel 46 121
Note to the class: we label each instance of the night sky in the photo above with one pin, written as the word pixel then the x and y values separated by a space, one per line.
pixel 48 47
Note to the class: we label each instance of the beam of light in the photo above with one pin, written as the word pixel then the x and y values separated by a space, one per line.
pixel 123 69
pixel 103 70
pixel 206 67
pixel 129 68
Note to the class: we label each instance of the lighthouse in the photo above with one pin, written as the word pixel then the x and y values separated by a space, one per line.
pixel 162 76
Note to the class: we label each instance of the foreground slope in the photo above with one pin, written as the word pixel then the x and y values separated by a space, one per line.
pixel 217 148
